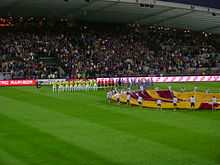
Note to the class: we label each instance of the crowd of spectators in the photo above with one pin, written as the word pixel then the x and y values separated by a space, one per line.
pixel 96 50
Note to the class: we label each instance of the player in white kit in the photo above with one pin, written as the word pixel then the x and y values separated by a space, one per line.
pixel 117 97
pixel 142 88
pixel 214 102
pixel 128 98
pixel 109 96
pixel 175 100
pixel 140 100
pixel 159 102
pixel 192 102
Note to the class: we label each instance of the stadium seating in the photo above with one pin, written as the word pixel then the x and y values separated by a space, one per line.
pixel 90 51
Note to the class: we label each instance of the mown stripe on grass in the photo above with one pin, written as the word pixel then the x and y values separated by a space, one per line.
pixel 166 133
pixel 22 143
pixel 107 142
pixel 8 159
pixel 191 121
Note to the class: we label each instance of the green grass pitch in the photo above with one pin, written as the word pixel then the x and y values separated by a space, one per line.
pixel 38 127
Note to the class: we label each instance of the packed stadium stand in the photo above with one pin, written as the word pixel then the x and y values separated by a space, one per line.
pixel 119 50
pixel 109 82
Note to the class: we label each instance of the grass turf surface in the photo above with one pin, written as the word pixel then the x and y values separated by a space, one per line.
pixel 39 127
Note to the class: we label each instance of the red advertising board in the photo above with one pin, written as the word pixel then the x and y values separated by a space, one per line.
pixel 17 82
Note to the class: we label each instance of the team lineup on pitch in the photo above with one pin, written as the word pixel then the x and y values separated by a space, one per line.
pixel 71 86
pixel 39 121
pixel 167 99
pixel 109 82
pixel 145 97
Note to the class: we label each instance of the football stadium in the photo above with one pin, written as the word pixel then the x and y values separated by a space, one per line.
pixel 109 82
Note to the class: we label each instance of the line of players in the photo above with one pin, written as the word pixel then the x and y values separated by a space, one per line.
pixel 76 85
pixel 192 100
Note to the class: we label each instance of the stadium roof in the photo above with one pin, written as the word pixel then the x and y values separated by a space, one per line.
pixel 120 11
pixel 207 3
